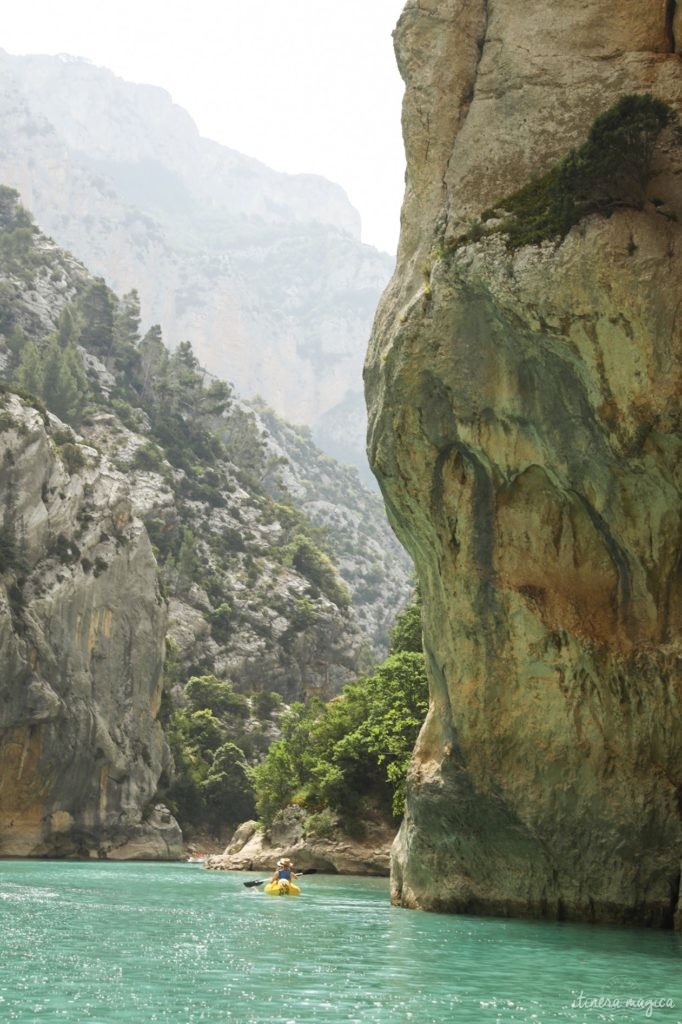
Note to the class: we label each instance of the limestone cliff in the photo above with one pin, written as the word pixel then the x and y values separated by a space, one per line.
pixel 247 521
pixel 82 626
pixel 524 426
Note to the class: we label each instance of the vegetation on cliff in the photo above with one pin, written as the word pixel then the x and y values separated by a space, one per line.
pixel 259 611
pixel 610 170
pixel 351 755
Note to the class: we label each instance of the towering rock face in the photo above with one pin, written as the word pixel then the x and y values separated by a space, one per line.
pixel 523 416
pixel 81 645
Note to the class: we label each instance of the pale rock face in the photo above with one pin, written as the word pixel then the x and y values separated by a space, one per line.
pixel 264 272
pixel 524 426
pixel 81 750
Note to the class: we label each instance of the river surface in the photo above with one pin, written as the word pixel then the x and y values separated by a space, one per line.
pixel 141 943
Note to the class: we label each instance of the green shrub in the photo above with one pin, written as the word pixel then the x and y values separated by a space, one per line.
pixel 406 634
pixel 72 457
pixel 221 622
pixel 265 702
pixel 321 825
pixel 65 550
pixel 216 695
pixel 227 790
pixel 148 458
pixel 9 556
pixel 318 569
pixel 62 437
pixel 304 615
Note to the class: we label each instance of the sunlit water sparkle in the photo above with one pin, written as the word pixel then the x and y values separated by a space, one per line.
pixel 172 943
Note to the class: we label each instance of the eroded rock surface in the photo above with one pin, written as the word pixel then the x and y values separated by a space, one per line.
pixel 524 426
pixel 82 627
pixel 335 852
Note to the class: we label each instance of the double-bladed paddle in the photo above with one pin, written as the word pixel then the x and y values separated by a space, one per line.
pixel 262 881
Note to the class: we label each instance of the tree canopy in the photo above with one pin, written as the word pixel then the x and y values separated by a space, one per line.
pixel 355 748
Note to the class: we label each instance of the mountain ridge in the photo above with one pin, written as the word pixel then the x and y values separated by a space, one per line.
pixel 264 271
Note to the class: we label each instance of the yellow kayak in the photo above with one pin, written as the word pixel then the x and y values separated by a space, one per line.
pixel 282 888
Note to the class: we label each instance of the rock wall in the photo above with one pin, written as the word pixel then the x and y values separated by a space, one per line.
pixel 82 627
pixel 524 426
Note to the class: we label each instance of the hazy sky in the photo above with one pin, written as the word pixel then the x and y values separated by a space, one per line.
pixel 304 85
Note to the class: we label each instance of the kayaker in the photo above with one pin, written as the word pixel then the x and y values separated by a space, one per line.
pixel 284 872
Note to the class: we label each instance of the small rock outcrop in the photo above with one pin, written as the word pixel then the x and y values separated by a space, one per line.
pixel 256 849
pixel 82 628
pixel 524 426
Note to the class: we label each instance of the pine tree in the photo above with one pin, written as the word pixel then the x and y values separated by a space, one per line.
pixel 184 356
pixel 9 554
pixel 97 314
pixel 31 369
pixel 154 367
pixel 67 329
pixel 127 320
pixel 187 562
pixel 65 385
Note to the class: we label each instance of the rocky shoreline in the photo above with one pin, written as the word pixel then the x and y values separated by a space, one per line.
pixel 253 848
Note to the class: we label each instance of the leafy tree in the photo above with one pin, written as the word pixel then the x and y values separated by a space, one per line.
pixel 397 709
pixel 216 398
pixel 54 372
pixel 221 622
pixel 153 369
pixel 275 780
pixel 204 733
pixel 126 358
pixel 127 320
pixel 217 696
pixel 7 307
pixel 67 327
pixel 9 548
pixel 184 356
pixel 185 796
pixel 227 789
pixel 265 702
pixel 356 747
pixel 406 634
pixel 187 563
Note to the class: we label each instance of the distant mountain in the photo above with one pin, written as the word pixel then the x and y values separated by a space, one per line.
pixel 264 271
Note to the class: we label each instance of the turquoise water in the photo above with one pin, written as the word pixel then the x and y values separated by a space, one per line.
pixel 140 943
